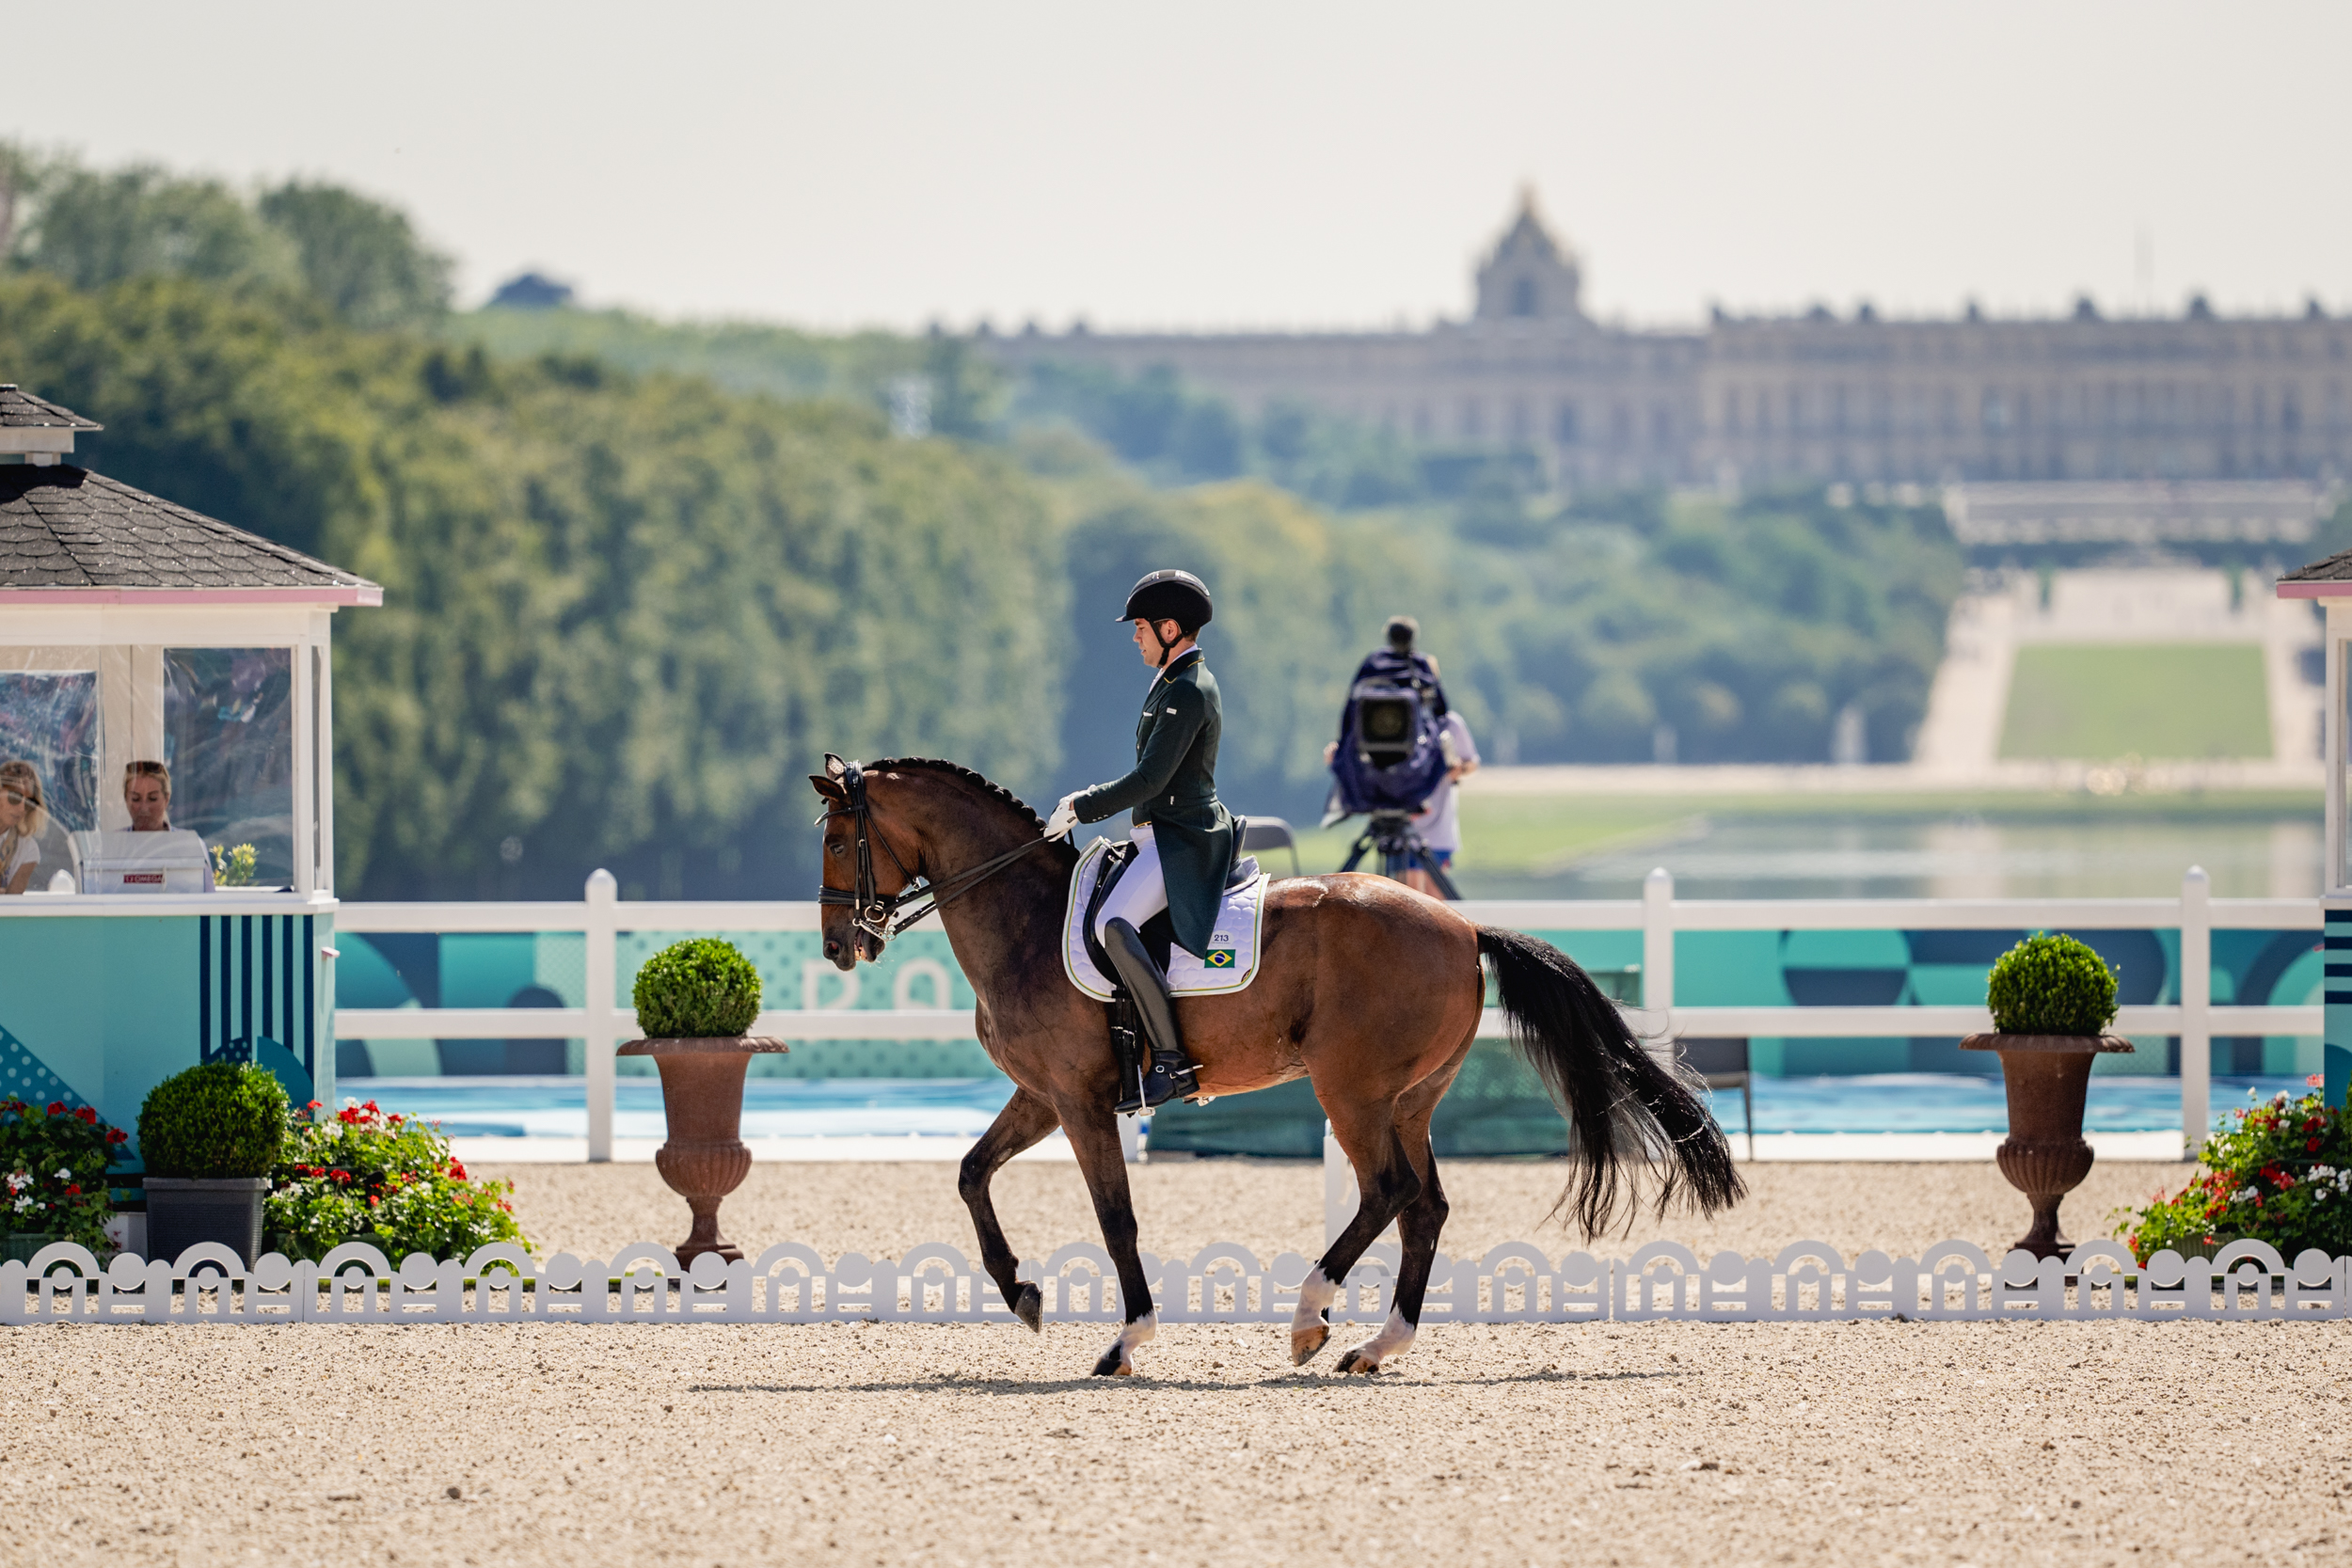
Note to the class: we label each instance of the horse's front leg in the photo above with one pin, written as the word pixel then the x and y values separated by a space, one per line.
pixel 1024 1121
pixel 1094 1138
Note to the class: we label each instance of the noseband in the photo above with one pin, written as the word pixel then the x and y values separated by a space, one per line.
pixel 883 915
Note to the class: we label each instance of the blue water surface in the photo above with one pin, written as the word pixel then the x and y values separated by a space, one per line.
pixel 963 1107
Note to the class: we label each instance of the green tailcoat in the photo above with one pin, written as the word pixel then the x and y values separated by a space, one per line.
pixel 1173 787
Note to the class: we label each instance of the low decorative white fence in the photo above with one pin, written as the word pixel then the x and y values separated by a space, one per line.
pixel 1516 1283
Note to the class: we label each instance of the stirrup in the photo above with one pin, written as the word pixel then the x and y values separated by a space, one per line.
pixel 1166 1078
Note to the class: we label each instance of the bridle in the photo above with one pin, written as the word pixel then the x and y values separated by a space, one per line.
pixel 883 915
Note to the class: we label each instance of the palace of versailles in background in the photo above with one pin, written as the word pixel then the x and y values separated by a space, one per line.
pixel 2082 430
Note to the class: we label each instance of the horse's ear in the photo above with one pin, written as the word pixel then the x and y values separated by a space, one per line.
pixel 835 767
pixel 830 788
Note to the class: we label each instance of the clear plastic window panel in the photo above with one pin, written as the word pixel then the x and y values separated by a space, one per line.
pixel 229 740
pixel 49 755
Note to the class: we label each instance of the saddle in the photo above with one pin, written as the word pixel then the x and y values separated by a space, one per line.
pixel 1128 1041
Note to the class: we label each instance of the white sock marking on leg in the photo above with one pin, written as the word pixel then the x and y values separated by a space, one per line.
pixel 1393 1337
pixel 1315 1293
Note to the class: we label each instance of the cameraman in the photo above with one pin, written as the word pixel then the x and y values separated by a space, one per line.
pixel 1435 820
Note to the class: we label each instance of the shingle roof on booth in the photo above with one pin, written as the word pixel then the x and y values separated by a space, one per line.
pixel 19 409
pixel 2334 568
pixel 67 527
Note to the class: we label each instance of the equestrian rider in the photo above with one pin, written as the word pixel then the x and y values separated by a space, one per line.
pixel 1182 835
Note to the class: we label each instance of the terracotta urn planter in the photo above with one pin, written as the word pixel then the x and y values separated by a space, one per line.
pixel 2044 1155
pixel 702 1101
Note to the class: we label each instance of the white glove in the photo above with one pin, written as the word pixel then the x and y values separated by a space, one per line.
pixel 1064 818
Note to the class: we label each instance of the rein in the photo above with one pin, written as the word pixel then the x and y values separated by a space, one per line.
pixel 883 915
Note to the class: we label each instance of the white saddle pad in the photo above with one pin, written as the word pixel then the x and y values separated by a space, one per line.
pixel 1232 958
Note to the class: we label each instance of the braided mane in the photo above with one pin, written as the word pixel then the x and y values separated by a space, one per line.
pixel 957 770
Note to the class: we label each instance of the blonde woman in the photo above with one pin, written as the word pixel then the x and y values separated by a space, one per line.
pixel 21 819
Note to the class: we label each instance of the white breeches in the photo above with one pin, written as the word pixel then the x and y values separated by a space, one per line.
pixel 1142 893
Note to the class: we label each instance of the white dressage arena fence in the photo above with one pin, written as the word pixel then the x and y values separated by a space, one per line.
pixel 791 1283
pixel 1658 916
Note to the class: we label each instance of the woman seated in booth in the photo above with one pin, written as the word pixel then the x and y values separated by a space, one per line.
pixel 146 795
pixel 21 819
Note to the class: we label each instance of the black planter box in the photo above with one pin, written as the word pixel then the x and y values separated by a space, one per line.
pixel 183 1211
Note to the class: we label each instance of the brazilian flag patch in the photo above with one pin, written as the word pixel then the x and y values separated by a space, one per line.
pixel 1219 958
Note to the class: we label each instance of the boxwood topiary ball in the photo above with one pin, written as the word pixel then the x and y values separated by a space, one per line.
pixel 221 1119
pixel 694 989
pixel 2048 985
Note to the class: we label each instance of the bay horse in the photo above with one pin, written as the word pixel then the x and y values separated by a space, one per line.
pixel 1369 989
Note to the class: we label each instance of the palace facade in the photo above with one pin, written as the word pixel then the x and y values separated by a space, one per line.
pixel 1814 397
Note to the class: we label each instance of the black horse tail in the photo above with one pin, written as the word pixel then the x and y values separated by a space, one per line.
pixel 1623 1102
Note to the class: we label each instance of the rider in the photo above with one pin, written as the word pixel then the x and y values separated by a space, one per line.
pixel 1183 835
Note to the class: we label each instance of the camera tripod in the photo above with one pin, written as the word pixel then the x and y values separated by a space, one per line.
pixel 1401 848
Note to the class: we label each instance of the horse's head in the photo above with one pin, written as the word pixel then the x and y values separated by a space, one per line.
pixel 863 873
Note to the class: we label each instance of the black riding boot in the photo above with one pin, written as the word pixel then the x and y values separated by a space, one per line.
pixel 1170 1072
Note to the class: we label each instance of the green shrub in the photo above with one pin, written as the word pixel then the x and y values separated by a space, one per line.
pixel 364 1172
pixel 2283 1175
pixel 699 986
pixel 223 1119
pixel 2048 985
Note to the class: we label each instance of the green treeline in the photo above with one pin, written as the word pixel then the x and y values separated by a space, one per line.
pixel 639 578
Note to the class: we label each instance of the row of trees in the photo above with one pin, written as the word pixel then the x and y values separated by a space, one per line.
pixel 639 577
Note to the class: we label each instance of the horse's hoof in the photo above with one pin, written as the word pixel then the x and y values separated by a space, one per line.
pixel 1114 1364
pixel 1305 1342
pixel 1029 1307
pixel 1356 1360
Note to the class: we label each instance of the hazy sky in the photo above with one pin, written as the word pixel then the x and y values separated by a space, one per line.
pixel 1271 165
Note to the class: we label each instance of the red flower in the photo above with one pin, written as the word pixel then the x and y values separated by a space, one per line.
pixel 56 1107
pixel 367 1105
pixel 116 1136
pixel 2310 1146
pixel 73 1189
pixel 89 1117
pixel 457 1171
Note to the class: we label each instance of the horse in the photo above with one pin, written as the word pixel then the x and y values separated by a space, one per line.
pixel 1369 989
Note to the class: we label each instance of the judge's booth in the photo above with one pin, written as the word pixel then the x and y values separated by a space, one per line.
pixel 167 804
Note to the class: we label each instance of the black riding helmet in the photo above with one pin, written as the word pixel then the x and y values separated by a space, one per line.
pixel 1170 596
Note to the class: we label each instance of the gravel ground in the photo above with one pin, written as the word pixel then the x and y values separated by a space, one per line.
pixel 1667 1443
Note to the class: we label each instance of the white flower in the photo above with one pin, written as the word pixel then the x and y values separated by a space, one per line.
pixel 22 1204
pixel 63 1174
pixel 2245 1195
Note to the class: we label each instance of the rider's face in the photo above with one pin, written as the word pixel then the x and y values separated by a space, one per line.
pixel 1170 634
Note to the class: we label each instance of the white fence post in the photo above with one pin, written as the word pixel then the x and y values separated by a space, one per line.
pixel 1658 941
pixel 2195 1008
pixel 603 926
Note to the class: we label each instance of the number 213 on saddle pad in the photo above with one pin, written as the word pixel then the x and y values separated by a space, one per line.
pixel 1231 962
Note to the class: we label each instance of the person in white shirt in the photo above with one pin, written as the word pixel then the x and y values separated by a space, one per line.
pixel 146 795
pixel 21 818
pixel 1439 821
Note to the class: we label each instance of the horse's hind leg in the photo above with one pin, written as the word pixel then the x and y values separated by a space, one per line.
pixel 1418 1227
pixel 1094 1138
pixel 1386 1183
pixel 1024 1119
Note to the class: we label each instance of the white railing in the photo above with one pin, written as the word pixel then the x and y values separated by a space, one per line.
pixel 1223 1283
pixel 1658 916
